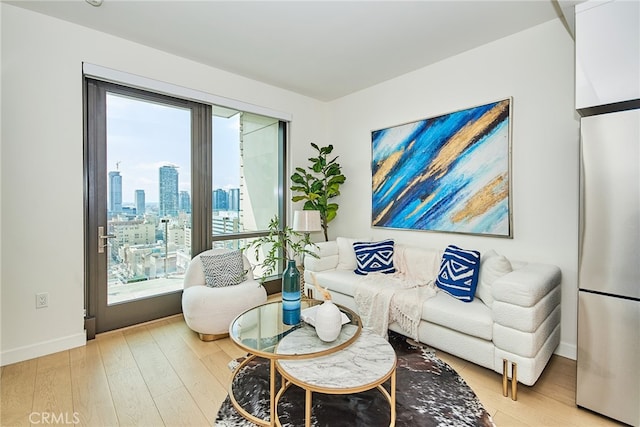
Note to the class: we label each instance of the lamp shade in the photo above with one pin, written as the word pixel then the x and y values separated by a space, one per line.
pixel 306 221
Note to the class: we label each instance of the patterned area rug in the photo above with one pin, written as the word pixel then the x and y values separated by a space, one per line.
pixel 428 393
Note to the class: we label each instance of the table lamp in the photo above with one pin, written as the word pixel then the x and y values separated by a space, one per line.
pixel 306 222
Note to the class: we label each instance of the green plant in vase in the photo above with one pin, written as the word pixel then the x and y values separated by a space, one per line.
pixel 283 244
pixel 319 183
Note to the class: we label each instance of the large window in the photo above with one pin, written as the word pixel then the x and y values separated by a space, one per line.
pixel 177 177
pixel 247 178
pixel 149 208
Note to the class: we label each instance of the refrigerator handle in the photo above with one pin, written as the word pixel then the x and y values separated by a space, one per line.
pixel 581 205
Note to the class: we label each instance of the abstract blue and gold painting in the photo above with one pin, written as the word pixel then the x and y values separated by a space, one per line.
pixel 448 173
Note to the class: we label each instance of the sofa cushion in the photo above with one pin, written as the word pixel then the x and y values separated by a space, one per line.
pixel 526 344
pixel 323 249
pixel 527 285
pixel 374 257
pixel 472 318
pixel 346 254
pixel 458 274
pixel 341 281
pixel 473 349
pixel 492 267
pixel 526 319
pixel 328 262
pixel 224 269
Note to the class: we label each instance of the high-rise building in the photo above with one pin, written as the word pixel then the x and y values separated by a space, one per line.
pixel 185 202
pixel 115 192
pixel 168 191
pixel 140 204
pixel 234 199
pixel 220 200
pixel 226 225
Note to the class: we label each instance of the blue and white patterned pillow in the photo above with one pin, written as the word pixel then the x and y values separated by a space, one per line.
pixel 225 269
pixel 374 257
pixel 459 271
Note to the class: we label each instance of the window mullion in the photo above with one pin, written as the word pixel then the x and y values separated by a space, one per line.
pixel 201 179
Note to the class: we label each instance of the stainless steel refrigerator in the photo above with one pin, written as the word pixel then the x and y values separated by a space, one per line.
pixel 608 377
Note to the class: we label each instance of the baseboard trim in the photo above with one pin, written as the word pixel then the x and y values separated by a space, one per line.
pixel 42 348
pixel 570 351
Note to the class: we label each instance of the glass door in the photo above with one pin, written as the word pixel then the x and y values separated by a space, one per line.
pixel 148 199
pixel 165 179
pixel 139 204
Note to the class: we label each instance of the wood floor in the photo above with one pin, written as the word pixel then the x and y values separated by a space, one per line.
pixel 160 373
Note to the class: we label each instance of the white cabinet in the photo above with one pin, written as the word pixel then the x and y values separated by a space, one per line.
pixel 607 52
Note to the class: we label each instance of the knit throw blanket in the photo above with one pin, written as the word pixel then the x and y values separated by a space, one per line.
pixel 382 299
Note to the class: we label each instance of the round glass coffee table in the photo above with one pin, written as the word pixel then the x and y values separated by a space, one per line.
pixel 260 330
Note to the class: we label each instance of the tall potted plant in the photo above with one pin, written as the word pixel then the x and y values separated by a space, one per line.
pixel 319 183
pixel 284 244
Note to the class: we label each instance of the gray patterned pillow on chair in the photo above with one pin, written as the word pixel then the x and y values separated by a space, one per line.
pixel 225 269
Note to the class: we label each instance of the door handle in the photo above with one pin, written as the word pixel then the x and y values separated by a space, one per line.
pixel 102 239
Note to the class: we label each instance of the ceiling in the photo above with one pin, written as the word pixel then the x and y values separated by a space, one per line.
pixel 322 49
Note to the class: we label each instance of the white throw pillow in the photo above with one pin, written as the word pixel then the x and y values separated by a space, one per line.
pixel 492 267
pixel 346 254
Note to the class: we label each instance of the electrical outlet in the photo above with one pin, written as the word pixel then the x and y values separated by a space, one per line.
pixel 42 300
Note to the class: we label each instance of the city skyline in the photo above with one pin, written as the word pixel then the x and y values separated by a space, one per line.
pixel 144 136
pixel 173 201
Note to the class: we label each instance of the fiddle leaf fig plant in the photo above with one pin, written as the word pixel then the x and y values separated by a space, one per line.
pixel 318 184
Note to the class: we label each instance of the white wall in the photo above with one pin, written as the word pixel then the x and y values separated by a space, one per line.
pixel 536 68
pixel 42 174
pixel 42 163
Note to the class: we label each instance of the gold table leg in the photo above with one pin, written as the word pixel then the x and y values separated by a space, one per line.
pixel 239 408
pixel 272 391
pixel 393 398
pixel 307 408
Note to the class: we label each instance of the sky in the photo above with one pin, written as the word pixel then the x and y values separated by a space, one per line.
pixel 143 136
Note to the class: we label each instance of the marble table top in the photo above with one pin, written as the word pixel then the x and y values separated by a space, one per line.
pixel 305 340
pixel 369 359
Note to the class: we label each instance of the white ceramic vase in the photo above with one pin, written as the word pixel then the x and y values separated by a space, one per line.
pixel 328 321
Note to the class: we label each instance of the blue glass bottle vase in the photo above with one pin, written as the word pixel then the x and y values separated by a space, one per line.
pixel 291 294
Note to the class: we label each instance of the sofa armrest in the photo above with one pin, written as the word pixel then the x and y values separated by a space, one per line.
pixel 527 285
pixel 327 259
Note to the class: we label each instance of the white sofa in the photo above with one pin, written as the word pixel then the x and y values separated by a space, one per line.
pixel 521 324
